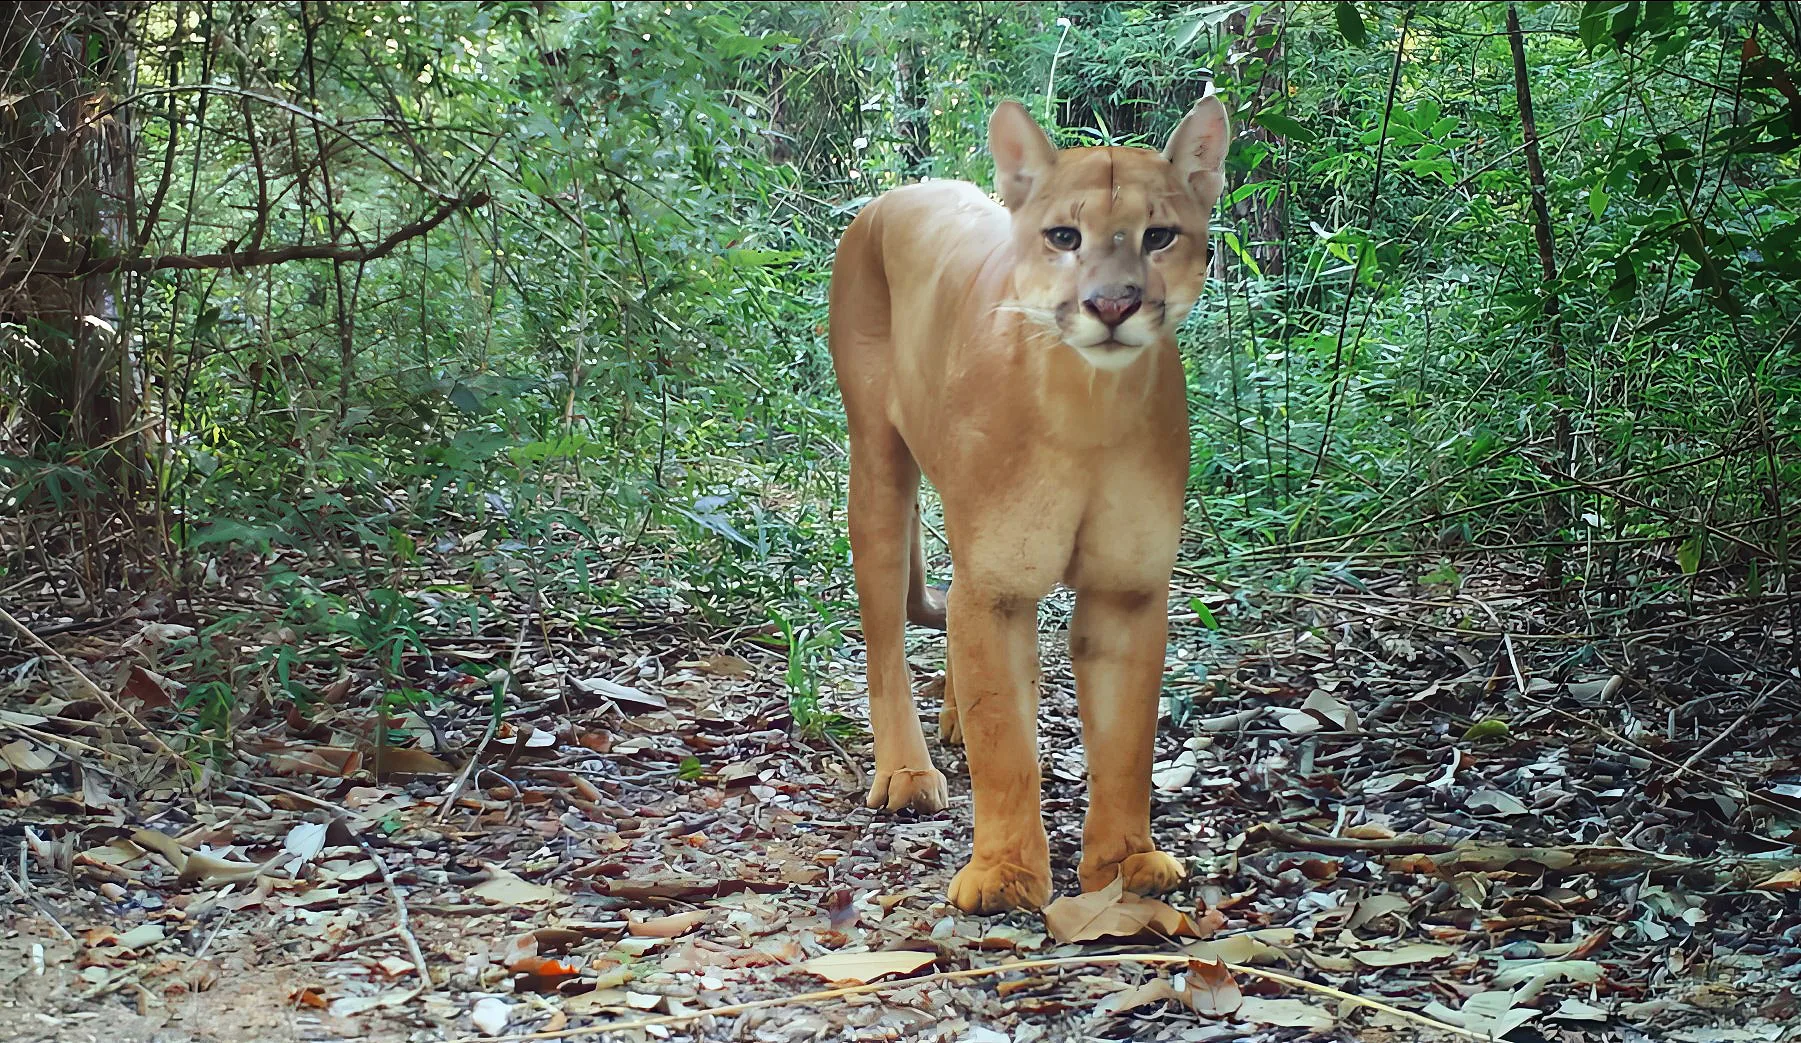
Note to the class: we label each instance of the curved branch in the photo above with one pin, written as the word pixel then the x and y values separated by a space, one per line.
pixel 248 258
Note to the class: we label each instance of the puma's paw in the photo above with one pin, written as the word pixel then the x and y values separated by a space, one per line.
pixel 950 726
pixel 1000 886
pixel 922 789
pixel 1145 873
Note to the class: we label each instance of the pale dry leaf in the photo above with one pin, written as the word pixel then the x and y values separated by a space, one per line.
pixel 1496 801
pixel 504 888
pixel 1285 1013
pixel 491 1015
pixel 1491 1013
pixel 1155 991
pixel 1171 776
pixel 27 758
pixel 625 695
pixel 1573 1009
pixel 305 840
pixel 1251 947
pixel 1298 722
pixel 1418 952
pixel 1331 710
pixel 864 967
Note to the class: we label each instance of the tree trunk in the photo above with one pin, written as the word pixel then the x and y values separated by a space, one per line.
pixel 65 188
pixel 1556 511
pixel 1259 218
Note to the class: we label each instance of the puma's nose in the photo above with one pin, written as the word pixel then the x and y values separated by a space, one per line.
pixel 1114 304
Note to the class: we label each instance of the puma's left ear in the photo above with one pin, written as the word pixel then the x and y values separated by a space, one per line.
pixel 1198 148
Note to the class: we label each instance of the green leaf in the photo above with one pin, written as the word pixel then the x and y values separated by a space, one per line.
pixel 1282 126
pixel 1350 23
pixel 1491 728
pixel 1597 201
pixel 689 770
pixel 1207 618
pixel 1688 555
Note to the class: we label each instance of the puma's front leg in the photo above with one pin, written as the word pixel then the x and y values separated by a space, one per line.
pixel 1116 643
pixel 994 654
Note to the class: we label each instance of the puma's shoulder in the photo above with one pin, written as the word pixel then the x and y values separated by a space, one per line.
pixel 937 216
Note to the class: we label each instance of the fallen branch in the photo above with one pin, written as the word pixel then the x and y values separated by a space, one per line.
pixel 965 975
pixel 105 697
pixel 1473 857
pixel 248 258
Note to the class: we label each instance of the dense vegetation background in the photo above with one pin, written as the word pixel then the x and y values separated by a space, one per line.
pixel 308 299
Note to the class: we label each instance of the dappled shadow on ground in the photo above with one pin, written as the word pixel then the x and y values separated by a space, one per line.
pixel 1391 793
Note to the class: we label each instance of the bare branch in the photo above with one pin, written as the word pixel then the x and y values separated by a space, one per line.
pixel 248 258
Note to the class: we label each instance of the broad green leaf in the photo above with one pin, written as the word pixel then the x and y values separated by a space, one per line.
pixel 1281 125
pixel 1350 23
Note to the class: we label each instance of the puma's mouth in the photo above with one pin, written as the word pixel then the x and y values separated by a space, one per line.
pixel 1110 354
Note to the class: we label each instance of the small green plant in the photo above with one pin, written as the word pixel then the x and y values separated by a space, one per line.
pixel 807 648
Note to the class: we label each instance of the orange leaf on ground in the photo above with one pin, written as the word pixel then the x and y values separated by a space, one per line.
pixel 667 926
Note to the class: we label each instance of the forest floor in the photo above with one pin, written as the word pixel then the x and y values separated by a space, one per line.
pixel 1386 792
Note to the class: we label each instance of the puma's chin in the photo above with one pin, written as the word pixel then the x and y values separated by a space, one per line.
pixel 1110 354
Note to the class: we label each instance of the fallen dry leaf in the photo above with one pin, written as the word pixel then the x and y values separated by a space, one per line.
pixel 1157 990
pixel 1787 880
pixel 1331 710
pixel 627 697
pixel 1419 952
pixel 864 967
pixel 504 888
pixel 667 926
pixel 491 1015
pixel 1113 912
pixel 1210 987
pixel 1285 1013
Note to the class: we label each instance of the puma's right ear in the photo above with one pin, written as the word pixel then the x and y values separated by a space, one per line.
pixel 1022 154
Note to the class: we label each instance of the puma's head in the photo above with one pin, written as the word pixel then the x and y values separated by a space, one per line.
pixel 1110 243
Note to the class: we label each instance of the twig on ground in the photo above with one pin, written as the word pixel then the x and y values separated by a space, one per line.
pixel 34 901
pixel 468 772
pixel 1722 737
pixel 966 975
pixel 402 924
pixel 100 693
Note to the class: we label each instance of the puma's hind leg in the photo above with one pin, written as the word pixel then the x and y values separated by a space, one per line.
pixel 925 603
pixel 884 481
pixel 950 725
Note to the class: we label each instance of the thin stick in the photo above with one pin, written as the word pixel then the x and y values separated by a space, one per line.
pixel 1723 736
pixel 468 772
pixel 99 693
pixel 965 975
pixel 402 925
pixel 33 901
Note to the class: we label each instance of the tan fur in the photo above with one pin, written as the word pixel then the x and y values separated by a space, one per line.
pixel 1059 446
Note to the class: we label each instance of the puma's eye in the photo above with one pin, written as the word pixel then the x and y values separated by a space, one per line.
pixel 1157 238
pixel 1062 238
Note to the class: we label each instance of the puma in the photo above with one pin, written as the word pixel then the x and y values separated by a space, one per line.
pixel 1024 359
